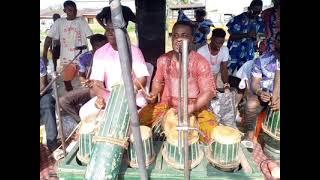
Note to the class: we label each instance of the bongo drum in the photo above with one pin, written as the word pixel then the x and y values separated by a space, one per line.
pixel 86 132
pixel 174 155
pixel 271 125
pixel 146 136
pixel 223 152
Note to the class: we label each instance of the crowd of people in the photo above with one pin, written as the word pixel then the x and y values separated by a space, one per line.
pixel 212 66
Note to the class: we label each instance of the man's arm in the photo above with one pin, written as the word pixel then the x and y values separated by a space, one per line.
pixel 224 72
pixel 131 16
pixel 100 17
pixel 43 82
pixel 47 44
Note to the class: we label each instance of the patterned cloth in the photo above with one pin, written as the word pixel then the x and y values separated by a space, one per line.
pixel 43 69
pixel 200 77
pixel 243 50
pixel 200 38
pixel 271 18
pixel 85 62
pixel 265 67
pixel 153 114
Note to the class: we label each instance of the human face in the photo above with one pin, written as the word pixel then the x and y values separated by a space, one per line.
pixel 255 11
pixel 179 33
pixel 71 12
pixel 216 43
pixel 111 34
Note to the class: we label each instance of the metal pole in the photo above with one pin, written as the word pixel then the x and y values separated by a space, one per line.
pixel 180 120
pixel 55 89
pixel 185 107
pixel 126 68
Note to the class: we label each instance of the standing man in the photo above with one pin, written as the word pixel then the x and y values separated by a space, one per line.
pixel 243 30
pixel 202 27
pixel 271 18
pixel 55 46
pixel 105 14
pixel 72 31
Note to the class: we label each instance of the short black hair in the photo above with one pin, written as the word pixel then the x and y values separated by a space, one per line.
pixel 56 16
pixel 256 3
pixel 69 3
pixel 184 23
pixel 219 32
pixel 201 12
pixel 97 38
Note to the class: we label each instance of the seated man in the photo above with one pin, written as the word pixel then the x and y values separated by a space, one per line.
pixel 107 72
pixel 47 110
pixel 263 78
pixel 201 86
pixel 72 100
pixel 217 55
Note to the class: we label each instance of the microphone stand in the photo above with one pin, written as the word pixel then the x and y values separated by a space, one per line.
pixel 55 89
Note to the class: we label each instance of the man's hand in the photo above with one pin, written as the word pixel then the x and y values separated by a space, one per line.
pixel 275 103
pixel 87 83
pixel 191 108
pixel 265 96
pixel 152 98
pixel 100 103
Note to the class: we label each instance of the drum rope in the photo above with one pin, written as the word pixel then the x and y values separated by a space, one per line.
pixel 120 142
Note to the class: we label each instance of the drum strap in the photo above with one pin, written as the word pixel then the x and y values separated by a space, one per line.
pixel 120 142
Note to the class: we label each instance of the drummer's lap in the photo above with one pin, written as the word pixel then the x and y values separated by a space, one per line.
pixel 88 109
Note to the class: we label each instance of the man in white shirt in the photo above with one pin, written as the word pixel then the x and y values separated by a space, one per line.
pixel 218 56
pixel 72 31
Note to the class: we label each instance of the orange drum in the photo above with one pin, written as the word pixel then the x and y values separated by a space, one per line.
pixel 70 72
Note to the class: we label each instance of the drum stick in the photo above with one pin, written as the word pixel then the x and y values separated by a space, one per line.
pixel 140 85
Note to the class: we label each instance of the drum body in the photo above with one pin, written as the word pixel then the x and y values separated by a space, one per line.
pixel 271 125
pixel 86 132
pixel 223 152
pixel 147 140
pixel 271 147
pixel 174 155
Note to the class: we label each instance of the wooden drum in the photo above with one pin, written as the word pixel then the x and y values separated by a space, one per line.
pixel 271 125
pixel 147 140
pixel 223 152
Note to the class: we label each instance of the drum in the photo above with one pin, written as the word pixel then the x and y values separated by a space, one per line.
pixel 146 136
pixel 223 152
pixel 271 125
pixel 170 122
pixel 174 155
pixel 86 132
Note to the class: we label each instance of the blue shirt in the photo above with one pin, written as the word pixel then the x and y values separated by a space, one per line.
pixel 85 62
pixel 43 69
pixel 265 68
pixel 243 50
pixel 200 38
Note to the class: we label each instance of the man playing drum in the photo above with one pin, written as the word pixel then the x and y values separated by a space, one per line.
pixel 201 85
pixel 107 72
pixel 263 74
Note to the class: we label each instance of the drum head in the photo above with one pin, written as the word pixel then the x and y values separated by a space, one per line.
pixel 86 128
pixel 145 133
pixel 226 135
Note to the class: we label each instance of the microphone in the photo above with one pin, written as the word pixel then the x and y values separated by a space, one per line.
pixel 81 47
